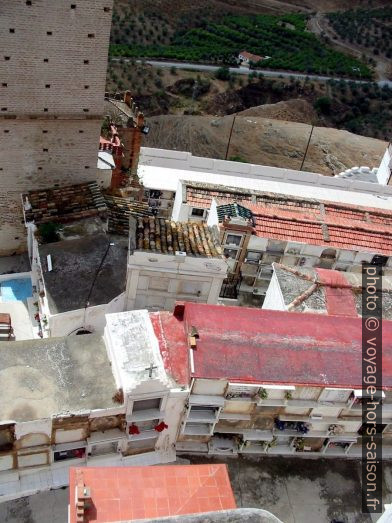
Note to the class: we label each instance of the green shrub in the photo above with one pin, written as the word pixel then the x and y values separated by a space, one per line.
pixel 323 104
pixel 48 232
pixel 237 158
pixel 223 73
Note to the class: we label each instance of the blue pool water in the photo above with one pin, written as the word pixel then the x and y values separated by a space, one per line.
pixel 15 290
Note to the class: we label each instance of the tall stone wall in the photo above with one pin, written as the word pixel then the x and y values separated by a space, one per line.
pixel 36 154
pixel 52 82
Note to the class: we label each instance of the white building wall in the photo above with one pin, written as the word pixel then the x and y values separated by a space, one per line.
pixel 180 211
pixel 384 171
pixel 92 319
pixel 162 169
pixel 157 281
pixel 39 427
pixel 6 463
pixel 274 298
pixel 213 219
pixel 104 178
pixel 257 244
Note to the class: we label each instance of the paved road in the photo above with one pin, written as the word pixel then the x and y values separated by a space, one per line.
pixel 246 71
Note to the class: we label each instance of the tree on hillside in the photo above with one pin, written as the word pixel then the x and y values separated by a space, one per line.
pixel 223 73
pixel 323 104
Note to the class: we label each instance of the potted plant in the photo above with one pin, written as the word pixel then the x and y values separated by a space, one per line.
pixel 270 444
pixel 262 393
pixel 288 395
pixel 299 444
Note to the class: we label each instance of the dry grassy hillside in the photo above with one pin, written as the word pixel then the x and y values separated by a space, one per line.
pixel 265 141
pixel 295 110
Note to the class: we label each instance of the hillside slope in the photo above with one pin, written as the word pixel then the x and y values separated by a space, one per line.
pixel 265 141
pixel 174 8
pixel 295 110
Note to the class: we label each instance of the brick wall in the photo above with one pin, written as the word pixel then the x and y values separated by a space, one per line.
pixel 53 63
pixel 49 71
pixel 38 154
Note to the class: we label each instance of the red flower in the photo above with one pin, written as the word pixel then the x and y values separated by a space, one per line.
pixel 161 426
pixel 134 429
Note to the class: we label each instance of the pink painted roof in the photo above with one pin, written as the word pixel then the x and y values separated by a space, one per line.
pixel 339 295
pixel 173 350
pixel 130 493
pixel 265 346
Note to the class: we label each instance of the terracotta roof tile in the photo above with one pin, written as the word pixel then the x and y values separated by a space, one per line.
pixel 120 210
pixel 64 204
pixel 165 236
pixel 290 218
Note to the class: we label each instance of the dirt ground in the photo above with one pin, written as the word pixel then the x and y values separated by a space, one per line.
pixel 295 110
pixel 265 141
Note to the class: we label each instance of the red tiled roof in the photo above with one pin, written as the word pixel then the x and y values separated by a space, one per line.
pixel 306 227
pixel 129 493
pixel 284 218
pixel 266 346
pixel 202 198
pixel 251 56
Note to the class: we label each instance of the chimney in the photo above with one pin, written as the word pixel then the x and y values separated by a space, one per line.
pixel 140 119
pixel 83 500
pixel 128 98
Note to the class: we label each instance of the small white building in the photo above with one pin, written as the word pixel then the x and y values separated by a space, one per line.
pixel 271 382
pixel 246 58
pixel 154 393
pixel 173 261
pixel 85 400
pixel 204 379
pixel 77 281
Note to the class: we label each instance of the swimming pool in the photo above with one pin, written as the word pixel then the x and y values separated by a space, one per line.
pixel 16 289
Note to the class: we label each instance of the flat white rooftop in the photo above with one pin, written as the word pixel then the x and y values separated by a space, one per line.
pixel 163 169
